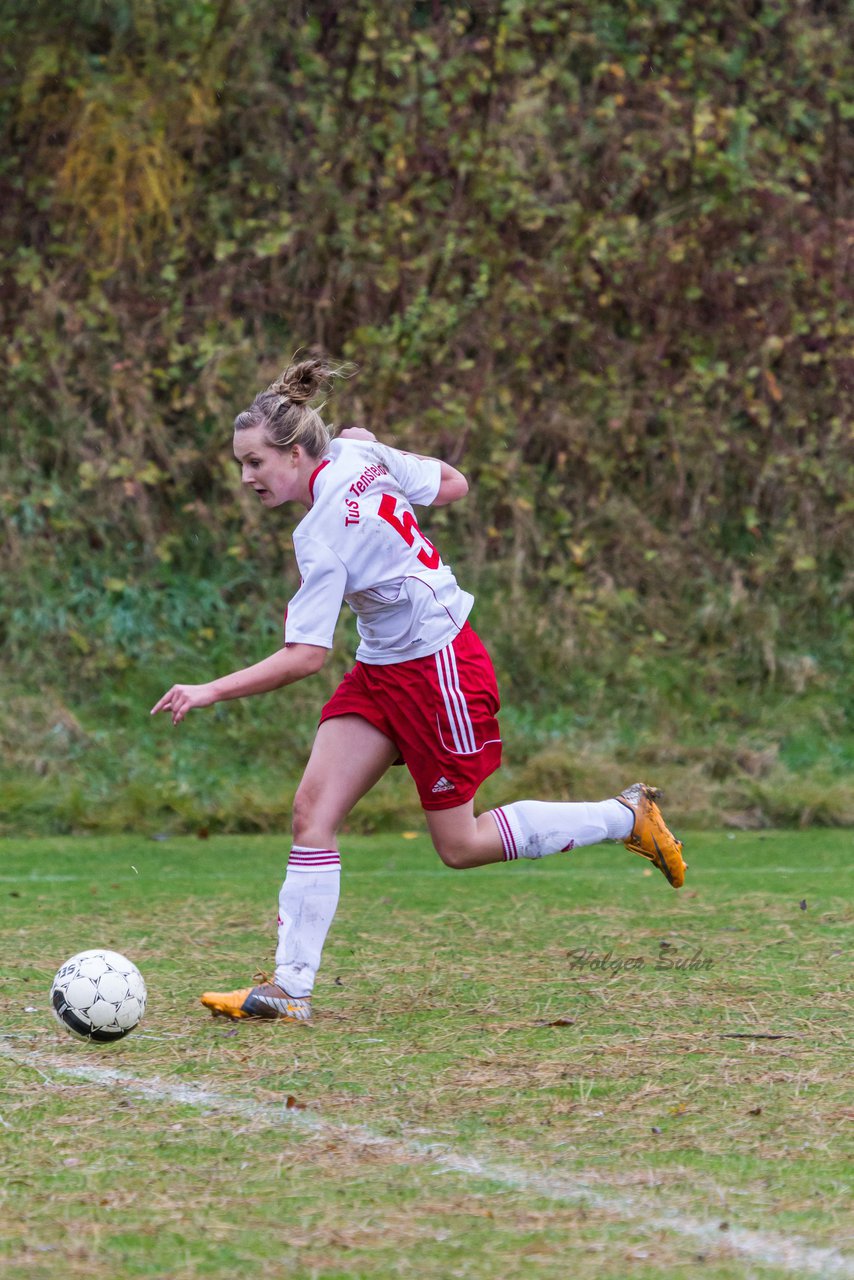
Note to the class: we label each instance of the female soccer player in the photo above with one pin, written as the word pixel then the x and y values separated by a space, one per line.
pixel 422 692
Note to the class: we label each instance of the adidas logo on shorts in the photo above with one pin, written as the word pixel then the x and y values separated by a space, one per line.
pixel 443 785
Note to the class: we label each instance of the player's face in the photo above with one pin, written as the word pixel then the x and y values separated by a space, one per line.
pixel 275 476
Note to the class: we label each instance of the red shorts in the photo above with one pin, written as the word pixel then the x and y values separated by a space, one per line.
pixel 438 711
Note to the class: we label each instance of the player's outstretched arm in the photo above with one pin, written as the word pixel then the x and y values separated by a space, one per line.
pixel 293 662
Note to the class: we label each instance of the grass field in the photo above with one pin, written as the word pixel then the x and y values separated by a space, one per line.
pixel 555 1069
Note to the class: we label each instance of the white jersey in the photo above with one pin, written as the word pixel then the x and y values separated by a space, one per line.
pixel 360 543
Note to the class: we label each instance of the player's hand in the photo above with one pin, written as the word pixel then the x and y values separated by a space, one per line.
pixel 356 433
pixel 181 698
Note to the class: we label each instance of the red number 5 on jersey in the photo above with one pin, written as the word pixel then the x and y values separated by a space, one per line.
pixel 407 527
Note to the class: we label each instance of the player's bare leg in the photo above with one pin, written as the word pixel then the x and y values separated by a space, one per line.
pixel 463 840
pixel 349 756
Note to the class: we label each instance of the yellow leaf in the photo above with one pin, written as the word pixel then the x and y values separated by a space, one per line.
pixel 79 641
pixel 773 386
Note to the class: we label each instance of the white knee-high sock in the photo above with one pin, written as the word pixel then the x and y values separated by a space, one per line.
pixel 534 828
pixel 307 904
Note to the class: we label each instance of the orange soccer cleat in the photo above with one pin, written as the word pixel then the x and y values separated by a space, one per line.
pixel 650 836
pixel 265 1001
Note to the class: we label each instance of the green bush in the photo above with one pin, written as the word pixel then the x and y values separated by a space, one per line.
pixel 593 252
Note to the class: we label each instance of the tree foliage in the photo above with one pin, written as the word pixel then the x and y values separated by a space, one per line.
pixel 597 252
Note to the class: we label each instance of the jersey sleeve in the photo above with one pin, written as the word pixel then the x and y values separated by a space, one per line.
pixel 313 612
pixel 419 478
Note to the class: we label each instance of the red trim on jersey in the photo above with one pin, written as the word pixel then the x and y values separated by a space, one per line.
pixel 314 475
pixel 413 577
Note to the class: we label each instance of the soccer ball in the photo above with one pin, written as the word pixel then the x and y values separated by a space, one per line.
pixel 98 995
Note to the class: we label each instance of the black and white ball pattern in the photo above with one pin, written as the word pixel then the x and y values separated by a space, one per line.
pixel 98 995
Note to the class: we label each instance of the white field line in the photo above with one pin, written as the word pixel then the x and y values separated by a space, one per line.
pixel 519 868
pixel 760 1247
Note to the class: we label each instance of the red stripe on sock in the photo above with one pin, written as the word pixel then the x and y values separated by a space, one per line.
pixel 505 831
pixel 310 859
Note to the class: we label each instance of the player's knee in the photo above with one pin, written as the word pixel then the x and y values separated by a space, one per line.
pixel 455 855
pixel 303 816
